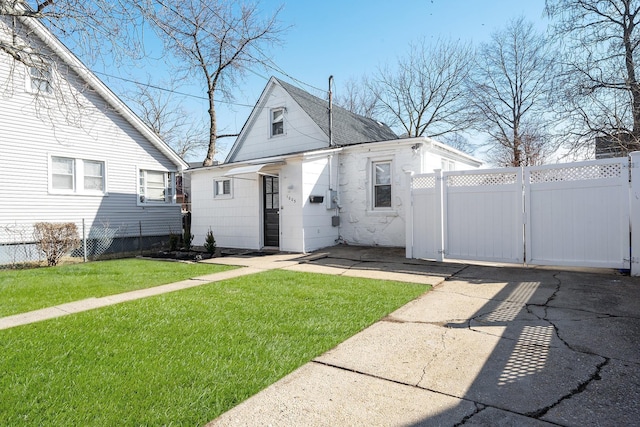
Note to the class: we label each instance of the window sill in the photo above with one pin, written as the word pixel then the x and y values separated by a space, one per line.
pixel 382 212
pixel 38 93
pixel 157 204
pixel 74 193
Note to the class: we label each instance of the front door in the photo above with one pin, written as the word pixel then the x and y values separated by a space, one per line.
pixel 271 211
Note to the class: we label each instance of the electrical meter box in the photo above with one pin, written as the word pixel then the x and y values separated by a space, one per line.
pixel 331 201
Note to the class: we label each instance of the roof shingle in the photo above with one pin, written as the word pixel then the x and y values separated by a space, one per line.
pixel 348 128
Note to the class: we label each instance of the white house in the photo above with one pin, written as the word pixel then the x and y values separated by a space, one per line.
pixel 291 182
pixel 73 151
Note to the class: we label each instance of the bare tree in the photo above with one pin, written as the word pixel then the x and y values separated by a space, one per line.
pixel 424 94
pixel 599 90
pixel 93 29
pixel 459 142
pixel 163 113
pixel 509 92
pixel 357 98
pixel 218 41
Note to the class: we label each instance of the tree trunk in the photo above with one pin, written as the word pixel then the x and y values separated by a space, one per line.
pixel 213 129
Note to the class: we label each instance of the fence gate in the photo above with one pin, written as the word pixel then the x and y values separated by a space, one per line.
pixel 578 214
pixel 483 215
pixel 574 214
pixel 426 217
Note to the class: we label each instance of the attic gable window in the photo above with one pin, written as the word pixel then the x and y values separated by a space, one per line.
pixel 277 121
pixel 40 78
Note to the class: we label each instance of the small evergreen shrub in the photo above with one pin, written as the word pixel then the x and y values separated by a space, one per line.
pixel 187 240
pixel 210 243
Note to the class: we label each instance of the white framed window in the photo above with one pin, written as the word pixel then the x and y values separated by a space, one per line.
pixel 63 173
pixel 448 165
pixel 381 185
pixel 93 175
pixel 40 78
pixel 222 188
pixel 156 187
pixel 277 121
pixel 76 176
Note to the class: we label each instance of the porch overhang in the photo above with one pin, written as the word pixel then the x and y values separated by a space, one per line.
pixel 241 170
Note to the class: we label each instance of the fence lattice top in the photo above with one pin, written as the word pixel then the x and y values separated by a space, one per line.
pixel 576 173
pixel 485 179
pixel 423 182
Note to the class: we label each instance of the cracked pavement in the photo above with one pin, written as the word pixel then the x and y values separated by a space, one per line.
pixel 488 346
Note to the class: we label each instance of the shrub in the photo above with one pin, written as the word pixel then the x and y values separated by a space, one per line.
pixel 210 243
pixel 55 240
pixel 174 239
pixel 187 239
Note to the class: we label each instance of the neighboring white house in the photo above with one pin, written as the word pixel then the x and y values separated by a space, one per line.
pixel 73 151
pixel 286 184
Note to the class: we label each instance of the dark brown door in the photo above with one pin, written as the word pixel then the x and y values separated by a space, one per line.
pixel 271 211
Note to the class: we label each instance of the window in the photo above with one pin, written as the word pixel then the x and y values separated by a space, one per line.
pixel 69 175
pixel 277 122
pixel 448 165
pixel 222 187
pixel 156 187
pixel 40 78
pixel 381 184
pixel 62 173
pixel 93 175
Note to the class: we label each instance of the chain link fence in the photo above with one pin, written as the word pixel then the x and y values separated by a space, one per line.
pixel 18 247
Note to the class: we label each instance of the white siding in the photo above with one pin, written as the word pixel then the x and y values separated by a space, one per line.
pixel 72 122
pixel 234 221
pixel 301 133
pixel 316 181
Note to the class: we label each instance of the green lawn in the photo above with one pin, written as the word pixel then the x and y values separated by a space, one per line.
pixel 26 290
pixel 185 357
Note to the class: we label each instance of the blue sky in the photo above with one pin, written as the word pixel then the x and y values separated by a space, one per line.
pixel 348 39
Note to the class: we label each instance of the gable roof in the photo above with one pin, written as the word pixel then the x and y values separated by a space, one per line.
pixel 348 128
pixel 57 47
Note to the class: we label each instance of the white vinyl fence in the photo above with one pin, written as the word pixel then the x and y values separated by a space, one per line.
pixel 573 214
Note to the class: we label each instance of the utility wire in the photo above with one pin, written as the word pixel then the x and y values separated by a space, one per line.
pixel 170 90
